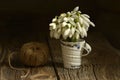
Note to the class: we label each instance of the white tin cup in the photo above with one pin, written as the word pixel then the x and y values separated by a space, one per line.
pixel 72 53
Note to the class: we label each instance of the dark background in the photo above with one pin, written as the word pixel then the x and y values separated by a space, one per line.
pixel 29 19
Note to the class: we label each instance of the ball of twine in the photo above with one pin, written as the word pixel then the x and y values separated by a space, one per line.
pixel 34 54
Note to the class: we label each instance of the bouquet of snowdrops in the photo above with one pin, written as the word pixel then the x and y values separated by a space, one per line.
pixel 70 26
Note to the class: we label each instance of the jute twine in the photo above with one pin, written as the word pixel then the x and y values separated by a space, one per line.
pixel 31 54
pixel 34 54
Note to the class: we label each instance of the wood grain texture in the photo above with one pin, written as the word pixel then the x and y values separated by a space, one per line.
pixel 107 72
pixel 98 65
pixel 45 72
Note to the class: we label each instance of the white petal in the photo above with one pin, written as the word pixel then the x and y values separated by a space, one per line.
pixel 73 23
pixel 79 27
pixel 84 32
pixel 64 24
pixel 72 18
pixel 67 31
pixel 86 27
pixel 91 23
pixel 72 30
pixel 85 23
pixel 81 20
pixel 79 12
pixel 59 30
pixel 76 8
pixel 52 25
pixel 56 35
pixel 59 20
pixel 69 25
pixel 85 18
pixel 70 35
pixel 63 15
pixel 86 15
pixel 65 19
pixel 54 19
pixel 82 35
pixel 68 13
pixel 77 35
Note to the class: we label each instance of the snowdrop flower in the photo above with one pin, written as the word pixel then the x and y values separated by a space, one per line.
pixel 52 26
pixel 54 19
pixel 81 20
pixel 72 22
pixel 86 15
pixel 77 35
pixel 72 31
pixel 92 24
pixel 66 33
pixel 79 27
pixel 71 25
pixel 84 32
pixel 59 30
pixel 85 18
pixel 64 24
pixel 65 19
pixel 56 35
pixel 63 15
pixel 68 14
pixel 76 9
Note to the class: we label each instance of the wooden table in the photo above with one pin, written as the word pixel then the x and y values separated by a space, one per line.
pixel 103 63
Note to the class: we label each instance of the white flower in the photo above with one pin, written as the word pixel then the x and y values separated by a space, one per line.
pixel 66 33
pixel 59 30
pixel 63 15
pixel 76 8
pixel 72 31
pixel 71 18
pixel 71 22
pixel 59 20
pixel 85 18
pixel 56 35
pixel 68 13
pixel 69 25
pixel 64 24
pixel 72 25
pixel 81 20
pixel 79 27
pixel 86 15
pixel 54 19
pixel 77 35
pixel 52 26
pixel 84 32
pixel 91 23
pixel 65 19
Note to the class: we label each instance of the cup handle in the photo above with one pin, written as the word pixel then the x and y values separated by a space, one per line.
pixel 87 47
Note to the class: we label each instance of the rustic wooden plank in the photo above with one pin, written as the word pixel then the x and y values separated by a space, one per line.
pixel 107 72
pixel 7 73
pixel 84 73
pixel 45 72
pixel 102 51
pixel 102 54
